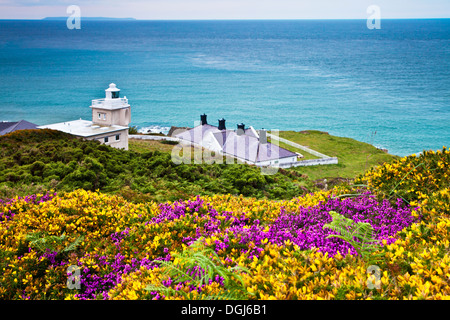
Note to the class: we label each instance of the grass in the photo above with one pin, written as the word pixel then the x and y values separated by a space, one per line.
pixel 306 155
pixel 142 146
pixel 354 157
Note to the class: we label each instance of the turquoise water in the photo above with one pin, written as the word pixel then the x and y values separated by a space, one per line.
pixel 388 87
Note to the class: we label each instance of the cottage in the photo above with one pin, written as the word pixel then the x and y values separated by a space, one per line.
pixel 110 119
pixel 244 144
pixel 7 127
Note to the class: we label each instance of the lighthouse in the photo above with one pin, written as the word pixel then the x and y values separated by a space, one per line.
pixel 112 92
pixel 110 119
pixel 112 110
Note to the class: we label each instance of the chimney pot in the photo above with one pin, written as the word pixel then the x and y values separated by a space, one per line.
pixel 262 136
pixel 203 119
pixel 240 129
pixel 222 124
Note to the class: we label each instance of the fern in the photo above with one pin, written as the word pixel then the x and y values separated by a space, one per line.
pixel 73 245
pixel 42 242
pixel 393 190
pixel 348 231
pixel 196 258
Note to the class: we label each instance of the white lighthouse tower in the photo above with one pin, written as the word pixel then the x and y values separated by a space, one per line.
pixel 112 110
pixel 110 118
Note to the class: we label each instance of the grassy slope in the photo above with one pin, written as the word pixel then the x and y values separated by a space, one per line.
pixel 354 157
pixel 37 160
pixel 142 146
pixel 306 155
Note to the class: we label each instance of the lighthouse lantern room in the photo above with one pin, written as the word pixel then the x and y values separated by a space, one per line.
pixel 112 110
pixel 112 92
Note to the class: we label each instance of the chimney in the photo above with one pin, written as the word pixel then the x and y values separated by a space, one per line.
pixel 203 119
pixel 262 136
pixel 240 129
pixel 222 124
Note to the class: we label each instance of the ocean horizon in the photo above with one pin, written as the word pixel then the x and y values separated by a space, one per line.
pixel 389 87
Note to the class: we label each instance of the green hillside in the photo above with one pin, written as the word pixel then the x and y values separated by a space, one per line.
pixel 354 157
pixel 38 160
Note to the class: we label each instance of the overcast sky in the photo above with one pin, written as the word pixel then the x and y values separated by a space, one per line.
pixel 226 9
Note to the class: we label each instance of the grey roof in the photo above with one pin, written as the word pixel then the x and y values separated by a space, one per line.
pixel 7 127
pixel 245 146
pixel 196 134
pixel 249 132
pixel 249 148
pixel 269 151
pixel 241 146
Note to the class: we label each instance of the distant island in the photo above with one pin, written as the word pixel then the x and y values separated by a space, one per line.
pixel 90 18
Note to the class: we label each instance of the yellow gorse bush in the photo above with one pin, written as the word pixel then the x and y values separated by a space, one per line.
pixel 122 240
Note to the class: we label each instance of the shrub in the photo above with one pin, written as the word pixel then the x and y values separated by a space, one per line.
pixel 43 156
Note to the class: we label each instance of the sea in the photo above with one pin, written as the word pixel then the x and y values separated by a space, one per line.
pixel 389 87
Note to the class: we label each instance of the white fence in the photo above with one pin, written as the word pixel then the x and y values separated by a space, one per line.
pixel 150 137
pixel 113 102
pixel 312 162
pixel 324 159
pixel 299 146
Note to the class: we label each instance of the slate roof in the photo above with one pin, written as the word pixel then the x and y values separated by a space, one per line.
pixel 7 127
pixel 245 146
pixel 197 134
pixel 250 132
pixel 249 148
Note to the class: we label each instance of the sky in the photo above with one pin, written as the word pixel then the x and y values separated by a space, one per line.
pixel 226 9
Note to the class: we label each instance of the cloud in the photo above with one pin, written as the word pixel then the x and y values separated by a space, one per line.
pixel 51 3
pixel 227 9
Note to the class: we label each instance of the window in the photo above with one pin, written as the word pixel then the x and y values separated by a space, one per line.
pixel 106 139
pixel 117 137
pixel 115 94
pixel 99 115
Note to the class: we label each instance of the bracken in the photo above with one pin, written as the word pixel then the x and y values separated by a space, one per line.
pixel 281 244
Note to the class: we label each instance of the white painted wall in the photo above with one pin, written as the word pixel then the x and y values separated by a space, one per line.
pixel 312 162
pixel 277 162
pixel 121 144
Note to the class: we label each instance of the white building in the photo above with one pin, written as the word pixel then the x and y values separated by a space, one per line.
pixel 246 145
pixel 110 119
